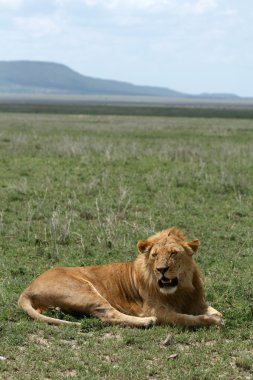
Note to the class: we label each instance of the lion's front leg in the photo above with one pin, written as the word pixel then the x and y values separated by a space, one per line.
pixel 189 320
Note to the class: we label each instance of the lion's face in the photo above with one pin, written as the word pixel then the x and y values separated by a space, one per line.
pixel 170 262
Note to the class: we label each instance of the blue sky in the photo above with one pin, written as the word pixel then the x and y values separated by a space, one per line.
pixel 192 46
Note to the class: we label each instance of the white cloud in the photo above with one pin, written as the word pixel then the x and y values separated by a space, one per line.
pixel 232 13
pixel 37 26
pixel 10 4
pixel 140 4
pixel 203 6
pixel 195 6
pixel 199 6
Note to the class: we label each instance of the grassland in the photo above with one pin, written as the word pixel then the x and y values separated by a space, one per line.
pixel 138 107
pixel 82 189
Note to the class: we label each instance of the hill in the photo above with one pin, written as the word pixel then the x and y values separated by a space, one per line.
pixel 41 77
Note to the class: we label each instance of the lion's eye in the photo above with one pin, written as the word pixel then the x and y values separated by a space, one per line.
pixel 173 254
pixel 154 254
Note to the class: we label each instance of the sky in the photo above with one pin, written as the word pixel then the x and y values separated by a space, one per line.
pixel 191 46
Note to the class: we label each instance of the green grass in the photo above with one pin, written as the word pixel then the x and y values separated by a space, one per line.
pixel 191 108
pixel 82 189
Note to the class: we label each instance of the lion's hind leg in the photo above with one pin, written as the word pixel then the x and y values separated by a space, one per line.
pixel 99 307
pixel 72 293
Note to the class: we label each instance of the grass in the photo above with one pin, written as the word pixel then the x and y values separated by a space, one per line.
pixel 82 189
pixel 191 108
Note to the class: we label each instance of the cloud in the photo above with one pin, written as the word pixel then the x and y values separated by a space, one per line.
pixel 132 4
pixel 119 5
pixel 203 6
pixel 10 4
pixel 192 6
pixel 118 8
pixel 199 7
pixel 37 26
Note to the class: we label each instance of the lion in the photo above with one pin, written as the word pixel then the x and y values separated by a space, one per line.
pixel 163 285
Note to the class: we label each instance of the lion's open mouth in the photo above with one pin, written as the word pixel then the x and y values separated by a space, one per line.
pixel 168 283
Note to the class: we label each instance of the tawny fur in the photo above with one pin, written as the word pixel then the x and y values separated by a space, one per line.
pixel 162 286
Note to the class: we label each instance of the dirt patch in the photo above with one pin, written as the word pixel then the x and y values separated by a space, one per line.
pixel 41 341
pixel 110 335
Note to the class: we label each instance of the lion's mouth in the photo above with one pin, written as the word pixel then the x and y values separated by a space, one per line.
pixel 168 283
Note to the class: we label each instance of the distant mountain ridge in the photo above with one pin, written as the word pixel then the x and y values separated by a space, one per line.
pixel 35 77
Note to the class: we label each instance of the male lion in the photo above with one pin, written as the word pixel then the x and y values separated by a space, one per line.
pixel 162 286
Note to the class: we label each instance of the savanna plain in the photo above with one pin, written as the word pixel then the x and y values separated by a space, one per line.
pixel 80 189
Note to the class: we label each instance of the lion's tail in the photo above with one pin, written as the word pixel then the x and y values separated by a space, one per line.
pixel 25 303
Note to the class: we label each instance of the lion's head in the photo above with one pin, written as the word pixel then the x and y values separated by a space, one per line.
pixel 168 259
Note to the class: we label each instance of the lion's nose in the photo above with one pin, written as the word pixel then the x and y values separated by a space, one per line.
pixel 162 270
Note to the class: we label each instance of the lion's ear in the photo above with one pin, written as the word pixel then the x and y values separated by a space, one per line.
pixel 194 245
pixel 144 246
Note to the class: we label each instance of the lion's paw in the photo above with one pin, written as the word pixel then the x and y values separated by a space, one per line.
pixel 216 320
pixel 150 321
